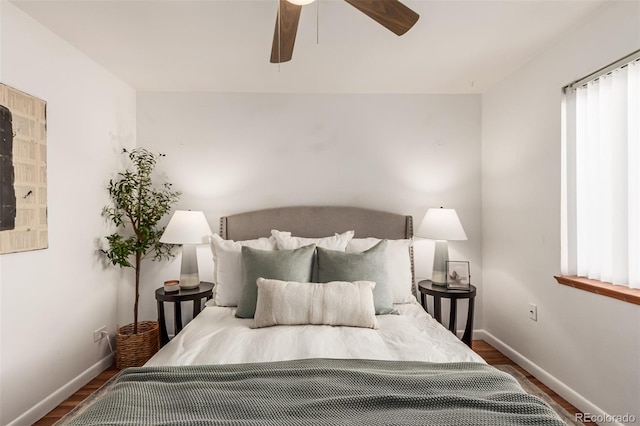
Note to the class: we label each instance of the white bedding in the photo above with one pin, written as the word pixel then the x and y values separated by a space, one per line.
pixel 216 336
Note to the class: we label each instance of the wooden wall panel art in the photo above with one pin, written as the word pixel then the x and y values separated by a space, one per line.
pixel 23 172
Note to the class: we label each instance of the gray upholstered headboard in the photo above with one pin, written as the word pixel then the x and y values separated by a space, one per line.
pixel 316 222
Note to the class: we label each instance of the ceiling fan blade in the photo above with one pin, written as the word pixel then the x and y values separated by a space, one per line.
pixel 391 14
pixel 284 36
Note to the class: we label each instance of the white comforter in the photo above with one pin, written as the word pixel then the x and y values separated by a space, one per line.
pixel 216 336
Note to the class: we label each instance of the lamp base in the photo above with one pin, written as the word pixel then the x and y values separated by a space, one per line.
pixel 440 258
pixel 438 279
pixel 189 281
pixel 189 277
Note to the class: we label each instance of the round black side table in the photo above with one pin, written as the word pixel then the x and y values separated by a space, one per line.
pixel 427 288
pixel 203 291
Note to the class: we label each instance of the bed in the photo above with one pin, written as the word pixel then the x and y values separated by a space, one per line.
pixel 359 350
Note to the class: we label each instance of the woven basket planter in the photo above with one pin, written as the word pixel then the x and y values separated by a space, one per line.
pixel 133 350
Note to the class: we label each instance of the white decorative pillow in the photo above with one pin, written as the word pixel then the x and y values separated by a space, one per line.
pixel 334 303
pixel 285 241
pixel 227 271
pixel 398 259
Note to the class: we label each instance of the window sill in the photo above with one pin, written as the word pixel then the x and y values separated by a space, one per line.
pixel 629 295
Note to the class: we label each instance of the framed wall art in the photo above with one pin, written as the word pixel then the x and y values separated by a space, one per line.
pixel 23 171
pixel 458 275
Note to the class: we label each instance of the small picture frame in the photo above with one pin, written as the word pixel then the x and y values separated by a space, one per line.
pixel 458 276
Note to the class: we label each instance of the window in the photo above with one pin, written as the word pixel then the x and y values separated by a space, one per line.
pixel 601 175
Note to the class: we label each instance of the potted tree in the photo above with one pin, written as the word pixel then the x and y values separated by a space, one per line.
pixel 137 207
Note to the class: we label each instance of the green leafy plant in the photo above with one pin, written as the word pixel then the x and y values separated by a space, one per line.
pixel 138 206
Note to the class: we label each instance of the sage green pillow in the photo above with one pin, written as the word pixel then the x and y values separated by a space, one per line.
pixel 285 265
pixel 368 265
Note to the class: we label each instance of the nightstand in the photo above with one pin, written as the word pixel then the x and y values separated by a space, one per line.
pixel 203 291
pixel 438 292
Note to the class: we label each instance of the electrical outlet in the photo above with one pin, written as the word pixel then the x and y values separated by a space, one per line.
pixel 533 312
pixel 99 334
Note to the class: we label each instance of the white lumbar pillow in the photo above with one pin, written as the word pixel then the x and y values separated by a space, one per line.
pixel 333 303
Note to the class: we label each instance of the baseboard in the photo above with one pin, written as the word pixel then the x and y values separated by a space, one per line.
pixel 570 395
pixel 52 401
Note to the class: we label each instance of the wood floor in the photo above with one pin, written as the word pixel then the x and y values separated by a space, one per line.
pixel 75 399
pixel 489 353
pixel 494 357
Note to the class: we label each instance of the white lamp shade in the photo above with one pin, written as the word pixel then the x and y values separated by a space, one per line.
pixel 441 224
pixel 186 227
pixel 300 2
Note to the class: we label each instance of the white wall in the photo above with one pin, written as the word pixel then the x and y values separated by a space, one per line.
pixel 590 343
pixel 53 299
pixel 231 153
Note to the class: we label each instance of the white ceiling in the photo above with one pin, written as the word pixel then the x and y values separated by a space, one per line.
pixel 224 45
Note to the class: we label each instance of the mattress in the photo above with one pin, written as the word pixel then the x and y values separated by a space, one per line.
pixel 216 336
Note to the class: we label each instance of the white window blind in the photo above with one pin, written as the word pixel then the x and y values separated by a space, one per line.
pixel 601 176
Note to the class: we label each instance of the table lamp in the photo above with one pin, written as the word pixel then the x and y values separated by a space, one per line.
pixel 441 225
pixel 188 228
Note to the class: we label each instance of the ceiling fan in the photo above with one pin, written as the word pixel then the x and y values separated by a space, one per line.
pixel 391 14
